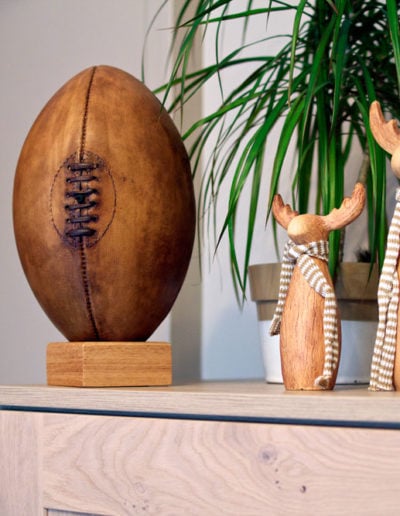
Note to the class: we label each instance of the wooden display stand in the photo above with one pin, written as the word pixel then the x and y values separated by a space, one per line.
pixel 109 364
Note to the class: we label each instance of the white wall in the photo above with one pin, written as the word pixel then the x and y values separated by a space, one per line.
pixel 43 43
pixel 230 335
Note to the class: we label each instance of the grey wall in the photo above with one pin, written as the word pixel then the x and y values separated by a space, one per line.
pixel 43 43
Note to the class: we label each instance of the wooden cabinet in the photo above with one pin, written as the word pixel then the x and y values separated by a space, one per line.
pixel 208 449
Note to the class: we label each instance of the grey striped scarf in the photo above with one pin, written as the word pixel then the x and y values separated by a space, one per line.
pixel 382 367
pixel 301 254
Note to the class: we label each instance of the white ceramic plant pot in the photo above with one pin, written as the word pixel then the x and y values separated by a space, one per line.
pixel 270 353
pixel 356 294
pixel 358 338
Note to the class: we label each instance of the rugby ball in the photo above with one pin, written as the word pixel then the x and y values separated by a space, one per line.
pixel 103 207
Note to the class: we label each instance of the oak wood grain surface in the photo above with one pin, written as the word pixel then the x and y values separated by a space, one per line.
pixel 20 464
pixel 122 466
pixel 52 512
pixel 68 464
pixel 251 399
pixel 108 364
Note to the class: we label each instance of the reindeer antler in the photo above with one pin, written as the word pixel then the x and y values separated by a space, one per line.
pixel 387 134
pixel 349 210
pixel 283 213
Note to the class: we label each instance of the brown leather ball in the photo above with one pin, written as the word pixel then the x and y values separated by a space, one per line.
pixel 104 210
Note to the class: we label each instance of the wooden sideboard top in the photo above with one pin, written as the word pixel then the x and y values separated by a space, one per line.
pixel 247 400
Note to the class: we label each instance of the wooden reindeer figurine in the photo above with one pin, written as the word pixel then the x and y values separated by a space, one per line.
pixel 306 315
pixel 385 368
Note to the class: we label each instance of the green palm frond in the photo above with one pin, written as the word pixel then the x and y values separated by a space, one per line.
pixel 339 56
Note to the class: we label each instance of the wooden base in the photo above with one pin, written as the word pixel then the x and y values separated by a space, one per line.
pixel 109 364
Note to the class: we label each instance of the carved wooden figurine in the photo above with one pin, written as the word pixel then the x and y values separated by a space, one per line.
pixel 385 369
pixel 306 316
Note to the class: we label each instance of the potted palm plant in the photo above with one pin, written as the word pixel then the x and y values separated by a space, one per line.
pixel 337 57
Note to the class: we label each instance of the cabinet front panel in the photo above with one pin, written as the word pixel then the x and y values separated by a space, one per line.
pixel 50 512
pixel 20 464
pixel 122 466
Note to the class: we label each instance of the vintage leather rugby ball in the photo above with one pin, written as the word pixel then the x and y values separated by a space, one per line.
pixel 104 210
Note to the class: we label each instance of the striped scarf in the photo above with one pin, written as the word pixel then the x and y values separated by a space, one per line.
pixel 382 367
pixel 301 254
